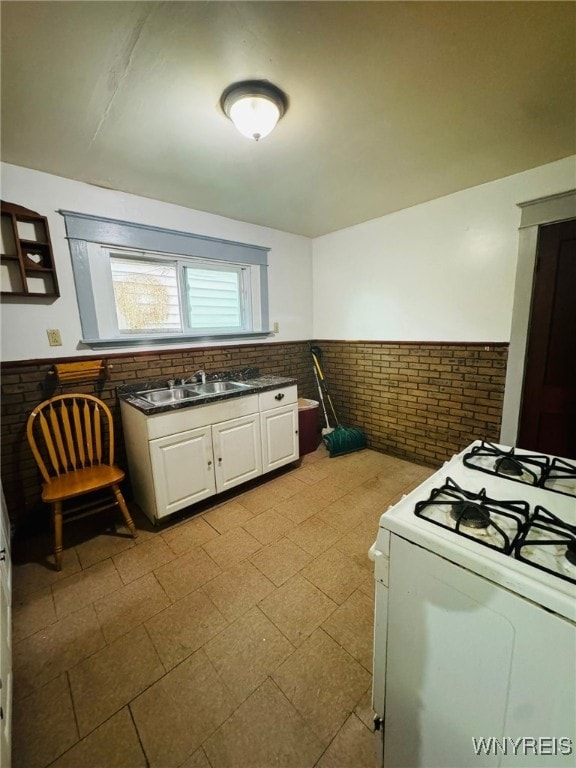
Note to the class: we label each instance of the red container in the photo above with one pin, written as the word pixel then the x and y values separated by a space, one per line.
pixel 308 433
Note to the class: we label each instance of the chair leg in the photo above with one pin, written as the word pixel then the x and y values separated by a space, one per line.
pixel 124 510
pixel 57 525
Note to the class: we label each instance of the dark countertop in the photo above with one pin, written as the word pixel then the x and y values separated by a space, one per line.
pixel 249 376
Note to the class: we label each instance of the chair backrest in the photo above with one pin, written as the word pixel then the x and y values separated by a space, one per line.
pixel 70 432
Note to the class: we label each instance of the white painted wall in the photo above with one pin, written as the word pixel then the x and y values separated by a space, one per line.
pixel 24 322
pixel 440 271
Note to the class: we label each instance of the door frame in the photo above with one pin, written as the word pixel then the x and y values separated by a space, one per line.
pixel 534 213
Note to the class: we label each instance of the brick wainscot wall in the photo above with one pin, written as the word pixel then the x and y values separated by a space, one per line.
pixel 419 401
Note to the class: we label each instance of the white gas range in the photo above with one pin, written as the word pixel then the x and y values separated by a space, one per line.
pixel 475 621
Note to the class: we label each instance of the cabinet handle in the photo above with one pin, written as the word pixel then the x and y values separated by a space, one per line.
pixel 295 431
pixel 219 460
pixel 209 463
pixel 279 396
pixel 2 554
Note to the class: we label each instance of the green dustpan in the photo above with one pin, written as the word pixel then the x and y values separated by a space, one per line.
pixel 344 440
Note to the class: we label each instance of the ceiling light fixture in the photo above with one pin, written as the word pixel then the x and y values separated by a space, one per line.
pixel 254 106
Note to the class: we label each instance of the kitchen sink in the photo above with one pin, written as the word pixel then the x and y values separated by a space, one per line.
pixel 169 396
pixel 218 387
pixel 189 392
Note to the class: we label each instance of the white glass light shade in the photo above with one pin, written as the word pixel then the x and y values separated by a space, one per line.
pixel 254 106
pixel 254 116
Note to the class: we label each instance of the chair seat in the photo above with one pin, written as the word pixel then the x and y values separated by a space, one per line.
pixel 81 481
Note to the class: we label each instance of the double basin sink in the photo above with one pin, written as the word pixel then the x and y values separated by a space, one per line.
pixel 179 394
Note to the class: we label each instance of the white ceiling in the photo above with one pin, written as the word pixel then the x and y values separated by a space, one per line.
pixel 391 103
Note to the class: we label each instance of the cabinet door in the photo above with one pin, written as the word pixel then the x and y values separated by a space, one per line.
pixel 5 677
pixel 5 561
pixel 279 437
pixel 237 451
pixel 183 469
pixel 5 636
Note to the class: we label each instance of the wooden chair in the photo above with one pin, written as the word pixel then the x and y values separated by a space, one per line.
pixel 72 439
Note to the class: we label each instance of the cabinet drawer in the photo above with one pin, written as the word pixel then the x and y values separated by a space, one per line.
pixel 164 424
pixel 277 397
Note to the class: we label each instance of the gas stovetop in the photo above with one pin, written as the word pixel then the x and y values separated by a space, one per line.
pixel 536 536
pixel 508 514
pixel 549 472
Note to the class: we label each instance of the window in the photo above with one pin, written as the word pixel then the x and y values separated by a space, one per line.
pixel 145 295
pixel 181 287
pixel 153 295
pixel 214 298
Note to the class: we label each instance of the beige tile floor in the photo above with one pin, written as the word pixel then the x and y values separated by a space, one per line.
pixel 241 636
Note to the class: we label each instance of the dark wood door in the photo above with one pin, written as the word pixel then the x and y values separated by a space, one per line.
pixel 548 413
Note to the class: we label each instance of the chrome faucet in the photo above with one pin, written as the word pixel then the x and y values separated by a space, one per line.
pixel 195 378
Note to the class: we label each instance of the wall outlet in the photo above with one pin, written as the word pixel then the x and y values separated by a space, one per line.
pixel 276 327
pixel 54 338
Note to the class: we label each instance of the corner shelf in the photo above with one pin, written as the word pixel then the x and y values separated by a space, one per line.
pixel 26 259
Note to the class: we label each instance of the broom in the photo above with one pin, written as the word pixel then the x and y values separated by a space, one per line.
pixel 327 429
pixel 341 439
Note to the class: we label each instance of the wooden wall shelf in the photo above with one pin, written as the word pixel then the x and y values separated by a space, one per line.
pixel 26 260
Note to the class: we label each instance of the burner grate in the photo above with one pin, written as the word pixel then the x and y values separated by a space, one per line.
pixel 490 522
pixel 549 544
pixel 556 475
pixel 560 477
pixel 523 468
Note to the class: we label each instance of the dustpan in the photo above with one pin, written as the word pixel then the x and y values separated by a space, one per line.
pixel 340 439
pixel 344 440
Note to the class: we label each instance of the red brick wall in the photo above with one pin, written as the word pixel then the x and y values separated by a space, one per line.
pixel 419 401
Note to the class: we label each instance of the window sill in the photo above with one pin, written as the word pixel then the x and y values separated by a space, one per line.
pixel 142 341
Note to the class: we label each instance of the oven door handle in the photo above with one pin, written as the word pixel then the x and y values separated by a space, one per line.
pixel 381 562
pixel 374 553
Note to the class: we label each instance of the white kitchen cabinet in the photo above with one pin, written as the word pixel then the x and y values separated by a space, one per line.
pixel 279 437
pixel 5 639
pixel 279 427
pixel 191 466
pixel 237 451
pixel 183 469
pixel 171 454
pixel 185 455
